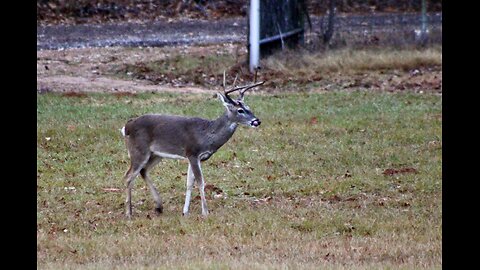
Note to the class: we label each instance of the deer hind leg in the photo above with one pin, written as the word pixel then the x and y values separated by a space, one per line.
pixel 197 172
pixel 144 173
pixel 188 194
pixel 129 177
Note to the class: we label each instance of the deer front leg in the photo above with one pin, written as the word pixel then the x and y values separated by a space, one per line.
pixel 188 195
pixel 202 195
pixel 197 172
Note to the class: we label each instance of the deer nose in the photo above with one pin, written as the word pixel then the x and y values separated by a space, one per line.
pixel 255 122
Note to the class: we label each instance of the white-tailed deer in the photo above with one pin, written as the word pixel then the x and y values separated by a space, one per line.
pixel 152 137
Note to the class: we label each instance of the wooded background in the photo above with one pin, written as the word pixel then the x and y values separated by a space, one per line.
pixel 95 11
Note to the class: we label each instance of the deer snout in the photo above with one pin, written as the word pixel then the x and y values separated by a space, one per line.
pixel 255 122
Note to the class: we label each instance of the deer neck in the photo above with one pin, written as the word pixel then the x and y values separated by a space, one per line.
pixel 221 130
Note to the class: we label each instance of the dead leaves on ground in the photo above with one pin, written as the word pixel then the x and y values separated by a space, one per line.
pixel 74 94
pixel 212 192
pixel 392 171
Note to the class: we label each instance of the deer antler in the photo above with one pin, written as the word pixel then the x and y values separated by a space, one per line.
pixel 255 84
pixel 242 88
pixel 250 87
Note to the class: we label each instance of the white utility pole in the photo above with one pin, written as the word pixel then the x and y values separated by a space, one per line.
pixel 254 34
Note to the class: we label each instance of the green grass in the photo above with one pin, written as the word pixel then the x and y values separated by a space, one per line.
pixel 305 190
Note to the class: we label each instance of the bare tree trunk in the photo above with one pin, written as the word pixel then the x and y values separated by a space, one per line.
pixel 424 33
pixel 328 33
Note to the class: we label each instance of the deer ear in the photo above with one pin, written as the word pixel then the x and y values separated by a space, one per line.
pixel 225 100
pixel 222 98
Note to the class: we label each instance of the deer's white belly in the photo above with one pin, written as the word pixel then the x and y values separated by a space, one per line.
pixel 167 155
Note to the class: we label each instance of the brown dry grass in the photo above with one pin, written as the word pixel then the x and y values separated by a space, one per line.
pixel 350 60
pixel 281 234
pixel 313 67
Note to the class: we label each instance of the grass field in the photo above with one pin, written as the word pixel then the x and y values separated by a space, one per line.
pixel 335 180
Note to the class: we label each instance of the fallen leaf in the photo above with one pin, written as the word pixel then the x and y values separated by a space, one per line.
pixel 392 171
pixel 405 204
pixel 212 188
pixel 334 198
pixel 263 200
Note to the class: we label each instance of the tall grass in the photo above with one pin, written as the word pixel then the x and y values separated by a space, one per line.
pixel 349 60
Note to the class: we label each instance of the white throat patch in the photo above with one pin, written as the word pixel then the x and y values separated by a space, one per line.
pixel 232 126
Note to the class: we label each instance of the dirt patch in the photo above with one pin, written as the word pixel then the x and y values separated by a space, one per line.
pixel 103 84
pixel 91 69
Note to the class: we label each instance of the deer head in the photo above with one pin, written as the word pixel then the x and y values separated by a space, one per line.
pixel 237 110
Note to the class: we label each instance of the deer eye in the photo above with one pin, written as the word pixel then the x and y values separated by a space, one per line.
pixel 240 111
